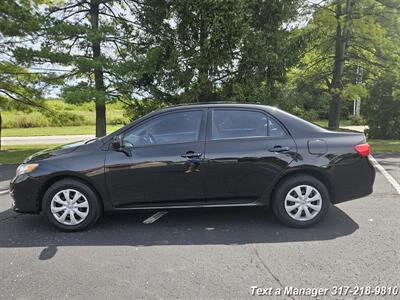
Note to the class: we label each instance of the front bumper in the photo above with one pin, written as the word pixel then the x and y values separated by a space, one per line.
pixel 25 192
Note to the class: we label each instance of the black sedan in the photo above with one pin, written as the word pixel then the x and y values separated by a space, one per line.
pixel 193 156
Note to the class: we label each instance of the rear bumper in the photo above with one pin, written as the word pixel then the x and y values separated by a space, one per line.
pixel 347 195
pixel 352 180
pixel 25 192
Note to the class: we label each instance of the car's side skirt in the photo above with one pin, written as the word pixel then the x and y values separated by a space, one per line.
pixel 158 207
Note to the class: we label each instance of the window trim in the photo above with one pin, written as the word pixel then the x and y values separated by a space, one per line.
pixel 200 137
pixel 210 125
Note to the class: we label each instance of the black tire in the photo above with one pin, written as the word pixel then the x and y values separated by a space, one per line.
pixel 278 204
pixel 94 210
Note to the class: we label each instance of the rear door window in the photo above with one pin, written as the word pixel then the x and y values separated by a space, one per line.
pixel 230 123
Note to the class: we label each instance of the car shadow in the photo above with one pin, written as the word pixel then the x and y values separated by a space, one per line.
pixel 185 227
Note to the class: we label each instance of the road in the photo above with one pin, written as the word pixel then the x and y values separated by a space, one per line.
pixel 43 140
pixel 203 254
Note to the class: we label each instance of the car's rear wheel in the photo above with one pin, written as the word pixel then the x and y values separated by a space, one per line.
pixel 71 205
pixel 301 201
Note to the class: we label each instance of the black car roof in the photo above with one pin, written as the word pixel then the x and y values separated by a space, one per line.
pixel 217 104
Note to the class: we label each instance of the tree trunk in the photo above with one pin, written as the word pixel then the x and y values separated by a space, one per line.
pixel 336 87
pixel 98 73
pixel 273 93
pixel 205 84
pixel 334 111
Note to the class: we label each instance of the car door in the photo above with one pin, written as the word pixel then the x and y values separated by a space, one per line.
pixel 245 150
pixel 164 166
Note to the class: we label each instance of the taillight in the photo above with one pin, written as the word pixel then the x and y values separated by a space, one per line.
pixel 363 149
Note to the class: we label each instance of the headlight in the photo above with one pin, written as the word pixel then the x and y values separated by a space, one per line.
pixel 26 168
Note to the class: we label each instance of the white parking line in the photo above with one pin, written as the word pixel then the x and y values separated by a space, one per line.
pixel 155 217
pixel 385 173
pixel 4 192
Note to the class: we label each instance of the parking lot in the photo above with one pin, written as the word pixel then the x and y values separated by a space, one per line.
pixel 204 254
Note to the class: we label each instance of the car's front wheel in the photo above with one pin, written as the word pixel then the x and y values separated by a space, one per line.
pixel 301 201
pixel 71 205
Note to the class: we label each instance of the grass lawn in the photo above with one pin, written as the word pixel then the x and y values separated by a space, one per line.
pixel 16 154
pixel 68 130
pixel 384 145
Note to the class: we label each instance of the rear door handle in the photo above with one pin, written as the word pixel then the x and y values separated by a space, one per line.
pixel 191 154
pixel 279 149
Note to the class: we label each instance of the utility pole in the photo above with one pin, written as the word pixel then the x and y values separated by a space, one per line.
pixel 0 127
pixel 341 41
pixel 357 102
pixel 356 107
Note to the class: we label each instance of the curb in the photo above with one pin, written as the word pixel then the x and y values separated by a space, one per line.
pixel 4 192
pixel 5 187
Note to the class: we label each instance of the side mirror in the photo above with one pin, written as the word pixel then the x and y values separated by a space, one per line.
pixel 127 145
pixel 118 144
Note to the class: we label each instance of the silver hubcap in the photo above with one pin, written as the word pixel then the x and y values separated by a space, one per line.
pixel 303 203
pixel 69 207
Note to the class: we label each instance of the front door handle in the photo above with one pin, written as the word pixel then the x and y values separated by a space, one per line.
pixel 279 148
pixel 191 154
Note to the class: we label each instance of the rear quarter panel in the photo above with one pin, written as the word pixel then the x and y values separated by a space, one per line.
pixel 350 175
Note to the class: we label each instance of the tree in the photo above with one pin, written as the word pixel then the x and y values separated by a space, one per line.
pixel 85 37
pixel 17 84
pixel 270 47
pixel 210 50
pixel 348 44
pixel 383 106
pixel 341 41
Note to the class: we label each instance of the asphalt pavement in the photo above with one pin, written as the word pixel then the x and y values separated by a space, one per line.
pixel 391 163
pixel 203 254
pixel 7 172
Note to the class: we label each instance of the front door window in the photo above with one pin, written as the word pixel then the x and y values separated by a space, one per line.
pixel 171 128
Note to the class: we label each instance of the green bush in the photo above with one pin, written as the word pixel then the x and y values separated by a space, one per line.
pixel 139 108
pixel 56 104
pixel 297 111
pixel 60 113
pixel 309 115
pixel 66 118
pixel 87 106
pixel 382 109
pixel 117 121
pixel 357 120
pixel 24 120
pixel 305 101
